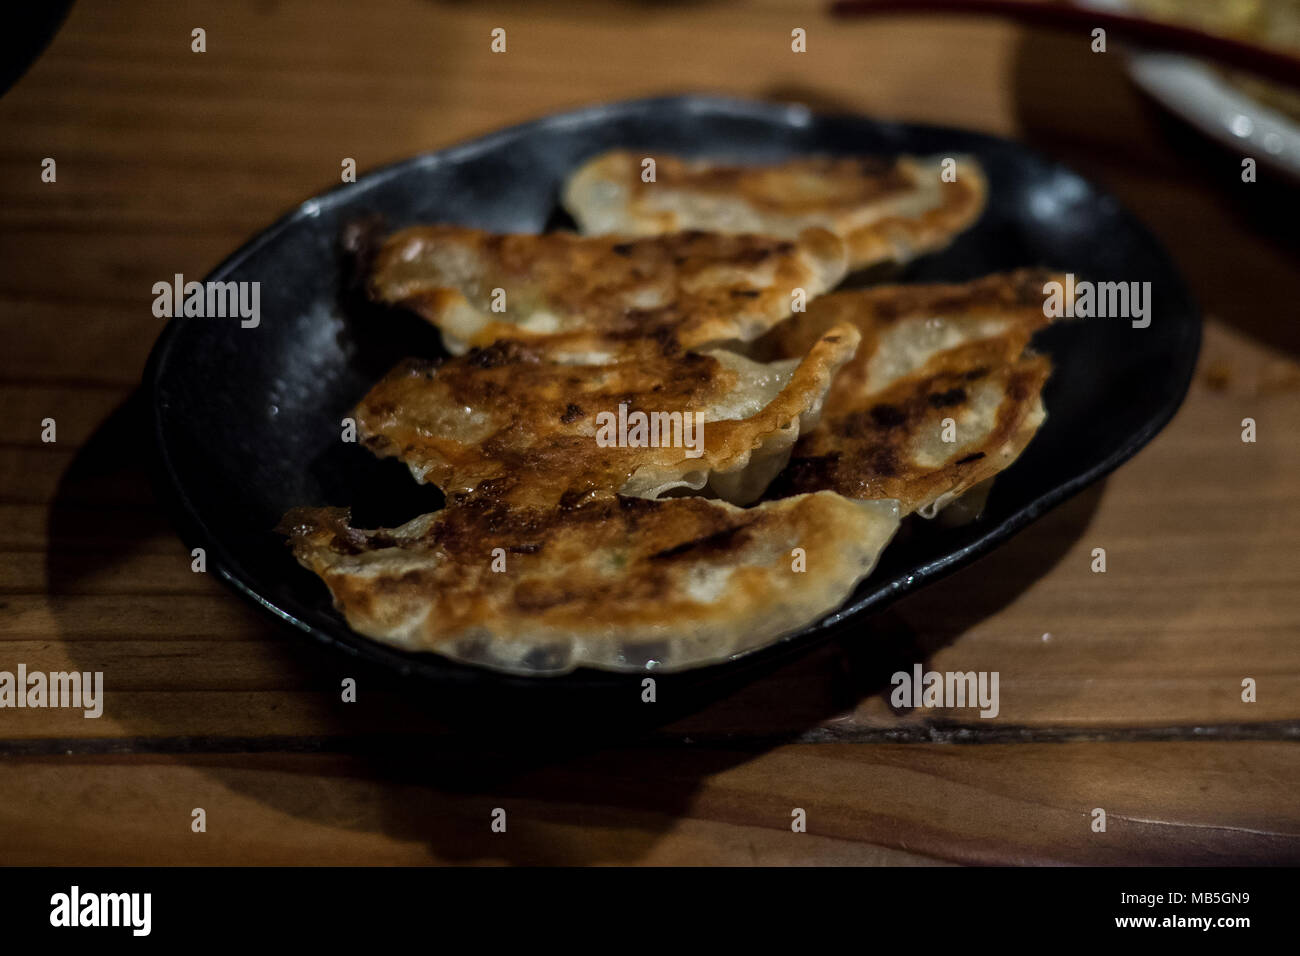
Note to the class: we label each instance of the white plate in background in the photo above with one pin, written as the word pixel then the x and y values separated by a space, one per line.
pixel 1195 91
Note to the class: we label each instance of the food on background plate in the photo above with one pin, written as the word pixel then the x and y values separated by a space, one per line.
pixel 1274 24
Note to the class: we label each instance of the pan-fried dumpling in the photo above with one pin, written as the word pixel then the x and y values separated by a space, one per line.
pixel 556 417
pixel 940 397
pixel 624 584
pixel 697 288
pixel 885 209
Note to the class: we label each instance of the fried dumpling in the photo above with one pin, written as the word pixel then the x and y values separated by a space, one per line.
pixel 696 288
pixel 618 583
pixel 940 397
pixel 885 209
pixel 554 417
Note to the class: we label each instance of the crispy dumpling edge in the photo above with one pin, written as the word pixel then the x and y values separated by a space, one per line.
pixel 855 531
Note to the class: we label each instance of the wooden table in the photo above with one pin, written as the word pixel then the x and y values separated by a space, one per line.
pixel 1120 691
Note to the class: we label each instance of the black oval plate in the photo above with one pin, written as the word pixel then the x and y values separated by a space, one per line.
pixel 246 420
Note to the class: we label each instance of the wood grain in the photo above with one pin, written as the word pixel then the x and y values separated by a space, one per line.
pixel 1120 691
pixel 865 803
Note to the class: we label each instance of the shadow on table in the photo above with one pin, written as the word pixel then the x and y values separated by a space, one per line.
pixel 431 756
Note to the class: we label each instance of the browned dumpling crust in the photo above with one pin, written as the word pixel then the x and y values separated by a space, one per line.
pixel 886 209
pixel 696 288
pixel 606 581
pixel 940 396
pixel 643 420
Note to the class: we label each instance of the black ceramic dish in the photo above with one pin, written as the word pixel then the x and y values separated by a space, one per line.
pixel 246 420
